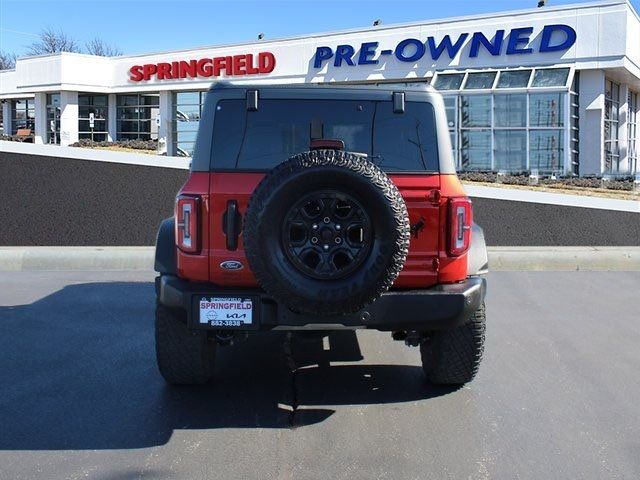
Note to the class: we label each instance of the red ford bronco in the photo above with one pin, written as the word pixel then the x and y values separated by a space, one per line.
pixel 313 207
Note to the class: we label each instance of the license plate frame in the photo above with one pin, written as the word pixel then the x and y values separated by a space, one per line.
pixel 232 313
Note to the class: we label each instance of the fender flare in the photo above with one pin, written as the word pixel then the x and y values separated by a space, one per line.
pixel 165 260
pixel 477 258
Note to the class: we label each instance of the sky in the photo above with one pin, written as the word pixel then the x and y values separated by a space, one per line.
pixel 142 26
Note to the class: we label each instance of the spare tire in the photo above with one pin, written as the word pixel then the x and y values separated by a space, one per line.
pixel 326 232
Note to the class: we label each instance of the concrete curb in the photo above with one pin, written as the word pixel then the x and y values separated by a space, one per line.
pixel 76 258
pixel 564 258
pixel 141 258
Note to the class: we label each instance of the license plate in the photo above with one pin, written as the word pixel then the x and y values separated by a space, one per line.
pixel 226 311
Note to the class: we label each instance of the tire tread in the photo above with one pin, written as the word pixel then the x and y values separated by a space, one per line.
pixel 358 164
pixel 184 357
pixel 453 357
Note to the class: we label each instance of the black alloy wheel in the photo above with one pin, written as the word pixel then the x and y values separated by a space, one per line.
pixel 327 234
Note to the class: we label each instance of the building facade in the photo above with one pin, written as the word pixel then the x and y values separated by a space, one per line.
pixel 552 90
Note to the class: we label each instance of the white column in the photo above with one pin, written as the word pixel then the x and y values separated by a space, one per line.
pixel 165 134
pixel 6 117
pixel 68 118
pixel 112 118
pixel 623 132
pixel 591 136
pixel 40 104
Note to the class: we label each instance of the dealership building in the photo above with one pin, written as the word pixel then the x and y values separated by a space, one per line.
pixel 550 90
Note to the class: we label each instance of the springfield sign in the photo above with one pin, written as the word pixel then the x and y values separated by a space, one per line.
pixel 229 66
pixel 554 38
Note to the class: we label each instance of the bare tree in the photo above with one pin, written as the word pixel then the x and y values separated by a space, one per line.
pixel 7 61
pixel 53 41
pixel 99 47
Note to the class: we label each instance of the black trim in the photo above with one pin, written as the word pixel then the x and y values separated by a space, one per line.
pixel 165 259
pixel 437 308
pixel 232 225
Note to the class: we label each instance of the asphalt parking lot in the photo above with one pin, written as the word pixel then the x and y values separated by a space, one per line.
pixel 556 397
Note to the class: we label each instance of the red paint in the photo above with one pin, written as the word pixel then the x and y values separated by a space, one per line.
pixel 237 65
pixel 427 198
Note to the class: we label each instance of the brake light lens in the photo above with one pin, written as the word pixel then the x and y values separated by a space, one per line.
pixel 187 216
pixel 460 220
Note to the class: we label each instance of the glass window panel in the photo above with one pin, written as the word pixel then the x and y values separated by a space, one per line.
pixel 100 100
pixel 98 112
pixel 151 100
pixel 188 98
pixel 127 113
pixel 187 113
pixel 475 149
pixel 405 142
pixel 126 100
pixel 262 139
pixel 480 80
pixel 510 150
pixel 514 79
pixel 137 113
pixel 449 81
pixel 475 110
pixel 546 150
pixel 188 136
pixel 127 126
pixel 97 100
pixel 510 110
pixel 550 77
pixel 546 109
pixel 98 126
pixel 450 108
pixel 185 149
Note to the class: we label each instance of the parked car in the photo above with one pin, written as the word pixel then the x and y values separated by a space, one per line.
pixel 319 208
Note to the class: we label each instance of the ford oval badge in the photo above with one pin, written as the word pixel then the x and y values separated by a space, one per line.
pixel 232 265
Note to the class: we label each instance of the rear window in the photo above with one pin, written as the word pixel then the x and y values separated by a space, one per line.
pixel 260 140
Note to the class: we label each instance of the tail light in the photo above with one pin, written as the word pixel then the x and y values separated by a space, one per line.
pixel 460 219
pixel 187 216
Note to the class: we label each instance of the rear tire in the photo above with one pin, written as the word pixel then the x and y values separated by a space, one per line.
pixel 184 357
pixel 452 357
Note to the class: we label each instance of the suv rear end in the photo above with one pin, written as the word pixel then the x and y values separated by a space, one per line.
pixel 321 207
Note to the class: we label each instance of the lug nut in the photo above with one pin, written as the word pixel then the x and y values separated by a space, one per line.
pixel 338 240
pixel 326 247
pixel 326 220
pixel 314 239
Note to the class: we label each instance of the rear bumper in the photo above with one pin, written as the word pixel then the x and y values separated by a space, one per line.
pixel 438 308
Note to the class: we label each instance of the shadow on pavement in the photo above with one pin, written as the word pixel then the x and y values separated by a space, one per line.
pixel 77 370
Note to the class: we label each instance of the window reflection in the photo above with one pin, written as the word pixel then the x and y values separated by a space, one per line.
pixel 136 116
pixel 98 106
pixel 514 79
pixel 187 108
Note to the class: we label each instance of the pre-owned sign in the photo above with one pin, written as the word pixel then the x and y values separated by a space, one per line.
pixel 553 38
pixel 229 66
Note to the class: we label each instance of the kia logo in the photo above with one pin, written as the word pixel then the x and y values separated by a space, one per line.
pixel 232 265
